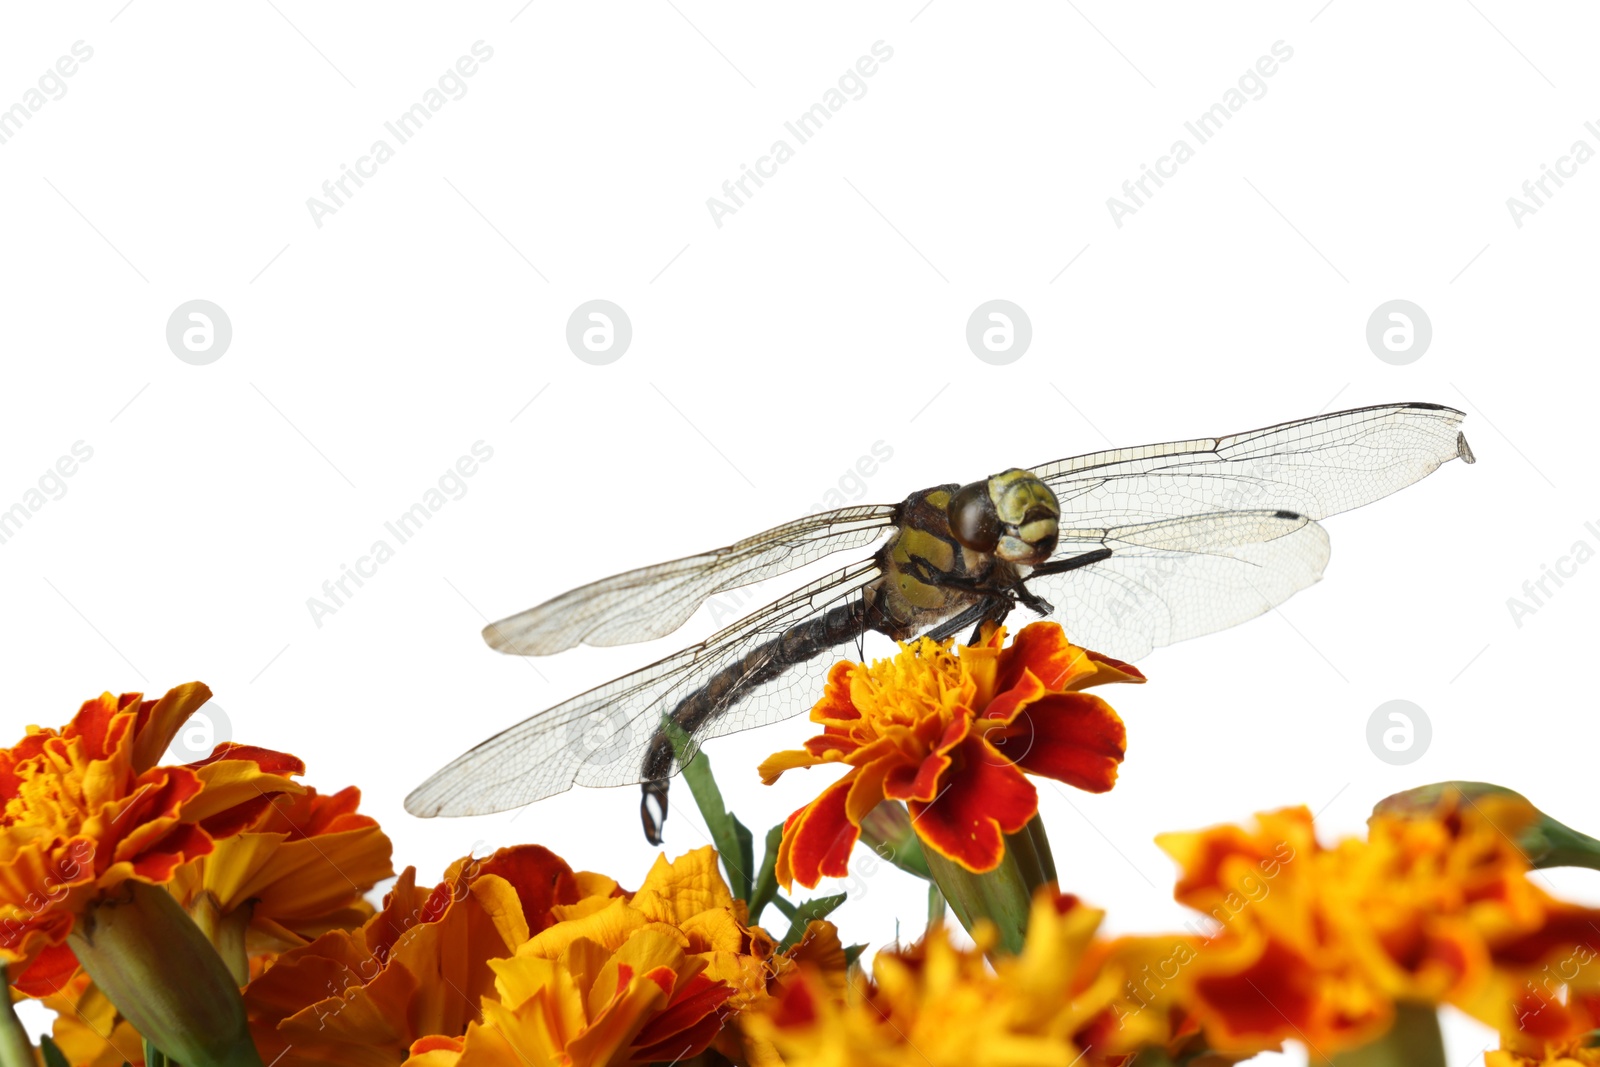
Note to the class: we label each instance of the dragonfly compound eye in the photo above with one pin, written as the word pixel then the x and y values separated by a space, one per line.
pixel 973 518
pixel 1029 516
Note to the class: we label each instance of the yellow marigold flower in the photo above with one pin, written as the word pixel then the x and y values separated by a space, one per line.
pixel 88 1029
pixel 1570 1055
pixel 87 808
pixel 642 1002
pixel 959 726
pixel 296 870
pixel 1066 999
pixel 519 952
pixel 1320 944
pixel 416 969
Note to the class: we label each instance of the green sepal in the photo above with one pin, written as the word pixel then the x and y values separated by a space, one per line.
pixel 1413 1041
pixel 887 830
pixel 1004 895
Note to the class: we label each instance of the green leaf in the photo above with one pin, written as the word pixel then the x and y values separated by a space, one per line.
pixel 53 1056
pixel 747 855
pixel 784 906
pixel 767 881
pixel 154 1057
pixel 816 908
pixel 724 827
pixel 853 953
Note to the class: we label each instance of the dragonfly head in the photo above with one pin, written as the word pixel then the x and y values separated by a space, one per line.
pixel 1013 516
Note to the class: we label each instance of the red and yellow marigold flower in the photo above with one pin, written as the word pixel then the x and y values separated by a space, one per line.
pixel 1067 998
pixel 418 968
pixel 1321 944
pixel 518 952
pixel 297 869
pixel 950 731
pixel 89 807
pixel 1571 1054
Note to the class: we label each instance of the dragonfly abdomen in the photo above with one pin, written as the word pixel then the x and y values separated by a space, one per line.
pixel 727 687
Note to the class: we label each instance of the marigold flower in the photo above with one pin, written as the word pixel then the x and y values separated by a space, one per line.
pixel 88 1029
pixel 88 808
pixel 1321 944
pixel 519 952
pixel 1067 998
pixel 950 731
pixel 418 968
pixel 298 869
pixel 1573 1054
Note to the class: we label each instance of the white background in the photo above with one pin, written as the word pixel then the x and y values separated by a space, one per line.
pixel 771 353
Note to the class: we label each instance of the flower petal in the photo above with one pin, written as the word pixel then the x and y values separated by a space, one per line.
pixel 982 799
pixel 1074 738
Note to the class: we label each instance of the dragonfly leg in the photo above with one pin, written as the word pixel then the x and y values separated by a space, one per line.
pixel 989 609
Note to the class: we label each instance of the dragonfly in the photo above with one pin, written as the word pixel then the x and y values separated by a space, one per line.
pixel 1132 549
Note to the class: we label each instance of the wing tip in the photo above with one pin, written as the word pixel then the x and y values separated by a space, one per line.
pixel 1464 450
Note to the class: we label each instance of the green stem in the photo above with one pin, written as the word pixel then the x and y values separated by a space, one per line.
pixel 16 1050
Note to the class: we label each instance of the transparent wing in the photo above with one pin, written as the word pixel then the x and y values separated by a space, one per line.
pixel 652 602
pixel 600 738
pixel 1317 467
pixel 1175 579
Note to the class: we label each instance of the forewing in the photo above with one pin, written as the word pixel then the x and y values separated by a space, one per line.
pixel 1318 467
pixel 1180 578
pixel 600 738
pixel 651 602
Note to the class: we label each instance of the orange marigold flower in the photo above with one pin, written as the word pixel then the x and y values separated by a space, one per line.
pixel 959 726
pixel 1068 998
pixel 518 952
pixel 1321 943
pixel 1574 1054
pixel 89 1030
pixel 416 969
pixel 87 808
pixel 297 869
